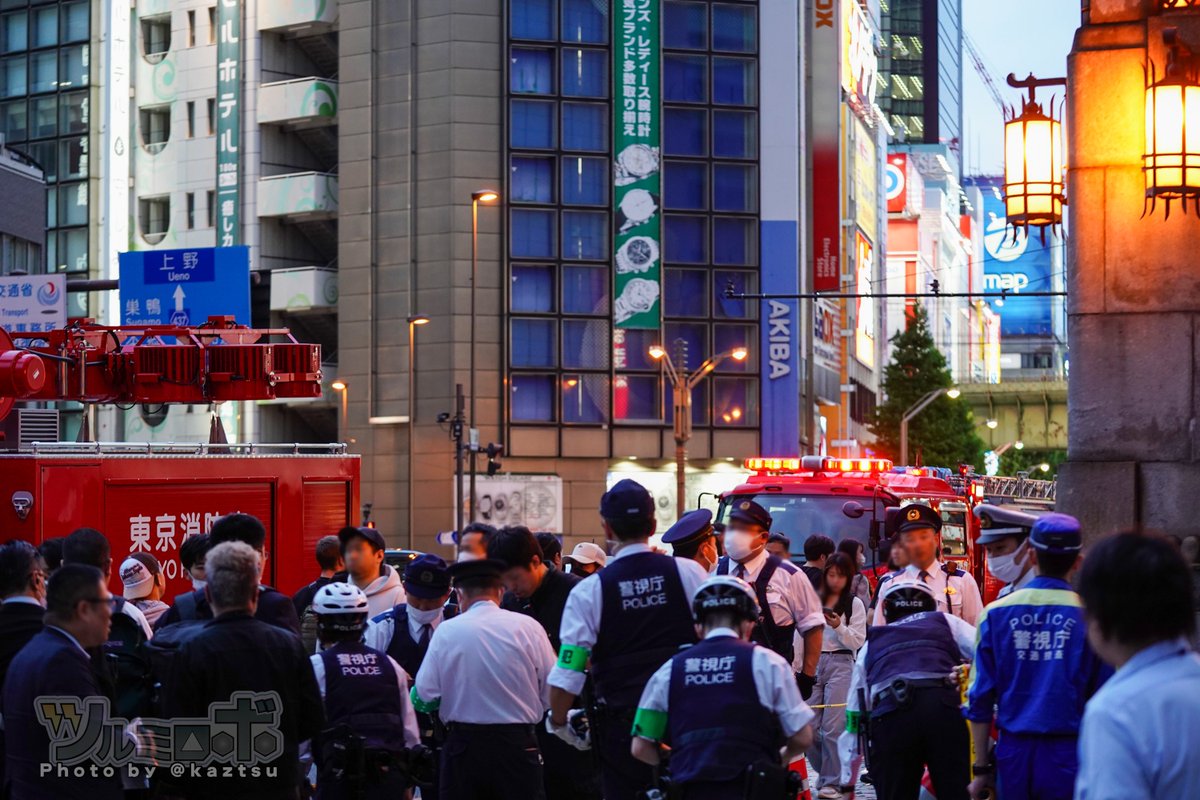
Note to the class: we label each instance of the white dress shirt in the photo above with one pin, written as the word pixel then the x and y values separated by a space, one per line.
pixel 791 595
pixel 581 617
pixel 412 733
pixel 773 679
pixel 381 629
pixel 488 666
pixel 957 596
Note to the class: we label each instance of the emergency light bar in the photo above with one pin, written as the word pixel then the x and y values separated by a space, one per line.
pixel 818 464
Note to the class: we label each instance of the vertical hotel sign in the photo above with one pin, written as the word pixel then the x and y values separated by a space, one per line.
pixel 229 122
pixel 637 181
pixel 825 42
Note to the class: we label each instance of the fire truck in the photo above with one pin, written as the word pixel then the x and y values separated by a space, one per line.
pixel 847 498
pixel 152 497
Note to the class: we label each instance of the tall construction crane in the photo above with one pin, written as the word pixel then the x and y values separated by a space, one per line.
pixel 984 74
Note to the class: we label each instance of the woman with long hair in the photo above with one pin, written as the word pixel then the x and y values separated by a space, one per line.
pixel 845 632
pixel 860 587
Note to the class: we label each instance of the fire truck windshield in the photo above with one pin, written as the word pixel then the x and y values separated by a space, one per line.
pixel 799 516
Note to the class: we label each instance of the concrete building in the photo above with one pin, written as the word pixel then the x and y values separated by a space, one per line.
pixel 922 70
pixel 23 224
pixel 439 101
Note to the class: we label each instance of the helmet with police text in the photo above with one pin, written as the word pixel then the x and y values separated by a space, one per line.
pixel 340 608
pixel 904 598
pixel 725 594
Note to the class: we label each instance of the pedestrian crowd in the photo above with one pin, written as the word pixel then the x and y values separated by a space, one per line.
pixel 714 671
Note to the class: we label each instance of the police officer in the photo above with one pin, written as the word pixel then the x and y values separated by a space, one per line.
pixel 693 537
pixel 920 528
pixel 625 620
pixel 1004 535
pixel 1034 671
pixel 404 631
pixel 485 673
pixel 901 684
pixel 786 597
pixel 722 704
pixel 369 716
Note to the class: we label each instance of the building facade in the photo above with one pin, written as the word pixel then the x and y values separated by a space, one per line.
pixel 922 69
pixel 23 225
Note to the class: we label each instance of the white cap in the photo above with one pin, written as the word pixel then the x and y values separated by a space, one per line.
pixel 138 580
pixel 588 553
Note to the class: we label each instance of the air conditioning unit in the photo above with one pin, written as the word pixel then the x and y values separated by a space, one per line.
pixel 24 426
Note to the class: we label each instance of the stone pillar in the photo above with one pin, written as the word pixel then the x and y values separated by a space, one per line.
pixel 1134 283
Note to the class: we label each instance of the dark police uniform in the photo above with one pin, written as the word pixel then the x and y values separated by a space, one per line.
pixel 692 529
pixel 902 672
pixel 1034 672
pixel 626 620
pixel 368 692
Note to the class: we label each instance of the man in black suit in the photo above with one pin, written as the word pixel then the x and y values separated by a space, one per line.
pixel 56 663
pixel 273 607
pixel 236 652
pixel 23 593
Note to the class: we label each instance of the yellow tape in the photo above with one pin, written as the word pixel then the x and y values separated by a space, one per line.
pixel 830 705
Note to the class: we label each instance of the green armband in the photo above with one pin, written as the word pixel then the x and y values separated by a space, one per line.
pixel 573 657
pixel 650 724
pixel 421 705
pixel 853 718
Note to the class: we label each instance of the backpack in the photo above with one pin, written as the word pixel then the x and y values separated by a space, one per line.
pixel 125 671
pixel 159 654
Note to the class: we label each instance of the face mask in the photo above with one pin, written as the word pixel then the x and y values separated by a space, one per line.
pixel 423 617
pixel 198 585
pixel 1007 568
pixel 862 559
pixel 467 555
pixel 739 544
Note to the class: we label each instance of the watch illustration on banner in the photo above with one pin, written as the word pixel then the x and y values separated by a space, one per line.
pixel 638 255
pixel 638 297
pixel 637 206
pixel 635 162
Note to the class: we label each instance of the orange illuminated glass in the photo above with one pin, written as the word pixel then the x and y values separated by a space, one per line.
pixel 1172 161
pixel 1033 168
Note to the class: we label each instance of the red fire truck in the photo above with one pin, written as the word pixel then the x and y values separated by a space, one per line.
pixel 847 498
pixel 152 497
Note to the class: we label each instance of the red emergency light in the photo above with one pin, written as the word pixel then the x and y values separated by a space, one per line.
pixel 856 465
pixel 818 464
pixel 772 464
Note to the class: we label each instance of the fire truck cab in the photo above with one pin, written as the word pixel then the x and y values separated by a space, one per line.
pixel 847 498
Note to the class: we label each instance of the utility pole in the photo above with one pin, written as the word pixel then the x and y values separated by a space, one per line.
pixel 456 431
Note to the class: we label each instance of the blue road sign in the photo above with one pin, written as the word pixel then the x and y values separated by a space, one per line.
pixel 185 287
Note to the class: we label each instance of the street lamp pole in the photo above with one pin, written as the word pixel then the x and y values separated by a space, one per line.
pixel 477 197
pixel 413 322
pixel 917 408
pixel 682 385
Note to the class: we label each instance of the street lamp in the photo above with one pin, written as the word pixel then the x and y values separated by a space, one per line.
pixel 477 197
pixel 1172 160
pixel 341 388
pixel 413 322
pixel 917 408
pixel 992 424
pixel 682 384
pixel 1033 160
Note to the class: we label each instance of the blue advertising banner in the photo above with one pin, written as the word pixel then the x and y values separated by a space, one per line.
pixel 185 287
pixel 1015 265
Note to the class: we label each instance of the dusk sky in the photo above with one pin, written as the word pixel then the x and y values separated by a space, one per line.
pixel 1018 36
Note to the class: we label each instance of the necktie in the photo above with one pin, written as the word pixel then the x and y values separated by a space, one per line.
pixel 426 632
pixel 924 576
pixel 740 572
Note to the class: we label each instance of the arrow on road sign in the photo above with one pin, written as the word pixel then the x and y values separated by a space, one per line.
pixel 179 295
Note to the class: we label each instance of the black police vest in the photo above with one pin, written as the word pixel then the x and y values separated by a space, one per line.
pixel 768 632
pixel 407 652
pixel 362 692
pixel 645 618
pixel 716 725
pixel 918 647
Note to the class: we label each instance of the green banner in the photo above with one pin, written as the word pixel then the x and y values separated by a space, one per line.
pixel 637 173
pixel 229 123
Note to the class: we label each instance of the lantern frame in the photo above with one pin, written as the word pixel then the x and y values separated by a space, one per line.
pixel 1181 75
pixel 1044 194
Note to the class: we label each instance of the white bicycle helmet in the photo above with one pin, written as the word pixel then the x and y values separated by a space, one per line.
pixel 340 598
pixel 725 593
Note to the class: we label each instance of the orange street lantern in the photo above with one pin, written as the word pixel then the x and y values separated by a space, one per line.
pixel 1033 161
pixel 1172 160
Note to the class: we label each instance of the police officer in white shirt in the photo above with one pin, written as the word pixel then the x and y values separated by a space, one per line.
pixel 785 594
pixel 485 673
pixel 920 527
pixel 624 621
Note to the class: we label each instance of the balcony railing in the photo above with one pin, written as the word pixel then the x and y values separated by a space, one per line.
pixel 299 196
pixel 301 101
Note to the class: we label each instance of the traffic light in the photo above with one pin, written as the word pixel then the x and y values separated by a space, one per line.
pixel 493 452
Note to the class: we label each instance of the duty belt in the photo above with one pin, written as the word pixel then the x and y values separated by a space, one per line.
pixel 901 689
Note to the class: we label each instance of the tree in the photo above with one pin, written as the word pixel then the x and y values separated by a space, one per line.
pixel 943 434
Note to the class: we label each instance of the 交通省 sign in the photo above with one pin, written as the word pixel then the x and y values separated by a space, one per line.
pixel 637 173
pixel 228 127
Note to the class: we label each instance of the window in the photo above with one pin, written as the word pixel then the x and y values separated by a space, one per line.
pixel 14 32
pixel 585 290
pixel 685 185
pixel 154 218
pixel 73 204
pixel 584 398
pixel 191 28
pixel 14 77
pixel 45 27
pixel 532 19
pixel 191 210
pixel 685 239
pixel 191 119
pixel 735 402
pixel 686 293
pixel 733 28
pixel 584 235
pixel 685 26
pixel 73 158
pixel 534 343
pixel 211 104
pixel 584 126
pixel 584 181
pixel 584 73
pixel 72 253
pixel 212 24
pixel 73 66
pixel 210 208
pixel 586 344
pixel 532 289
pixel 155 124
pixel 735 188
pixel 44 111
pixel 531 71
pixel 685 79
pixel 685 132
pixel 532 179
pixel 156 37
pixel 14 120
pixel 734 81
pixel 73 111
pixel 531 124
pixel 735 241
pixel 532 398
pixel 533 234
pixel 584 21
pixel 74 21
pixel 43 71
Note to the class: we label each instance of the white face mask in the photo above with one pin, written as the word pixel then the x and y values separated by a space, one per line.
pixel 1007 568
pixel 862 559
pixel 423 617
pixel 198 585
pixel 740 544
